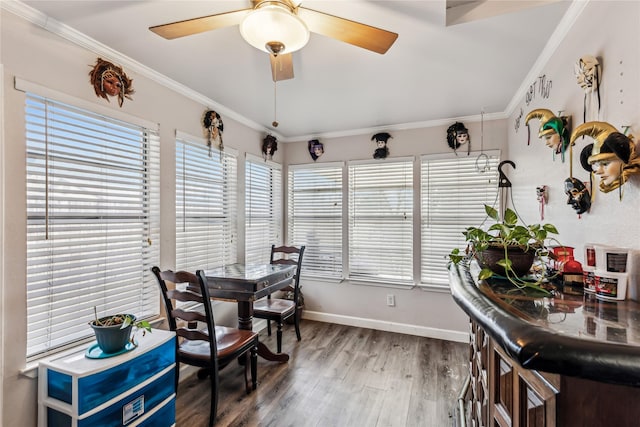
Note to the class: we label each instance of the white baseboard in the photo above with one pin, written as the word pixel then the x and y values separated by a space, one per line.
pixel 381 325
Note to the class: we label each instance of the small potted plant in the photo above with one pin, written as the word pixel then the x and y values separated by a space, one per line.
pixel 507 248
pixel 114 332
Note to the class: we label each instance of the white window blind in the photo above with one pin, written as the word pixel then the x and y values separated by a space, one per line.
pixel 454 193
pixel 381 221
pixel 315 217
pixel 206 207
pixel 263 209
pixel 92 221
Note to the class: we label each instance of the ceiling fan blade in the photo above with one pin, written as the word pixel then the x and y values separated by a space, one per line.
pixel 200 25
pixel 281 67
pixel 355 33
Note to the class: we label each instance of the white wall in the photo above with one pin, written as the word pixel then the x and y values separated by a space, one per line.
pixel 609 31
pixel 606 29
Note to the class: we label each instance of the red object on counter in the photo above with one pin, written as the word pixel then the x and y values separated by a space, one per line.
pixel 572 266
pixel 562 253
pixel 572 272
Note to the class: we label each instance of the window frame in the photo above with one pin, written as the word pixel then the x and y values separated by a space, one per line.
pixel 71 147
pixel 265 208
pixel 201 247
pixel 319 259
pixel 448 223
pixel 383 274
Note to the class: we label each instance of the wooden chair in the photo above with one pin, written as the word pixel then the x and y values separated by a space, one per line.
pixel 279 309
pixel 196 346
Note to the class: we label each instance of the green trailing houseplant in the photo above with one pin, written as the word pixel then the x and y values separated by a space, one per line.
pixel 511 241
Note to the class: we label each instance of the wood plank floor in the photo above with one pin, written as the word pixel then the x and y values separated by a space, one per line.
pixel 337 376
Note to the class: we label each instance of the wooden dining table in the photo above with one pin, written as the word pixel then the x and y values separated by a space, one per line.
pixel 245 283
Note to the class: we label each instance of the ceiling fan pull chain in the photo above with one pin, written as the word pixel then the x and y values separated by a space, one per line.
pixel 275 98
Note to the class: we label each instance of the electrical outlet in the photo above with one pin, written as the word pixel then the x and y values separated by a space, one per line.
pixel 391 300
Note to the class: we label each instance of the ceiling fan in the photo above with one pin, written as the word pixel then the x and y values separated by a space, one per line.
pixel 281 27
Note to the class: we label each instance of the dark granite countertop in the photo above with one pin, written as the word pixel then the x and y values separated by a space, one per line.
pixel 568 333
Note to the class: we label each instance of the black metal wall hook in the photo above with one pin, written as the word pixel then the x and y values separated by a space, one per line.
pixel 504 181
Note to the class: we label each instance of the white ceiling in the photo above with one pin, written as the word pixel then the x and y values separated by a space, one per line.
pixel 432 72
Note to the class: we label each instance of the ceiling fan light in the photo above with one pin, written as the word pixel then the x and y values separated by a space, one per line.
pixel 274 24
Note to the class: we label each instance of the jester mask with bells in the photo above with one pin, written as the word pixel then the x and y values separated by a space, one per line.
pixel 612 156
pixel 381 139
pixel 554 130
pixel 110 80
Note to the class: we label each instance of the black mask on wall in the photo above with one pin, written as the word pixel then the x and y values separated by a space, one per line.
pixel 579 197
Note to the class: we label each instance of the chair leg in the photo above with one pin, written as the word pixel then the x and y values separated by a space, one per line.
pixel 214 399
pixel 202 373
pixel 279 335
pixel 254 366
pixel 247 384
pixel 269 327
pixel 296 321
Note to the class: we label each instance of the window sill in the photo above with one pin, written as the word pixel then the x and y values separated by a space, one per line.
pixel 31 368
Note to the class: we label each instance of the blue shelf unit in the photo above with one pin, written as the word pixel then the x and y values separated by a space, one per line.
pixel 133 389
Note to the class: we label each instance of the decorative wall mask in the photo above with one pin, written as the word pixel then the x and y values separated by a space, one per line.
pixel 381 142
pixel 269 146
pixel 457 136
pixel 316 149
pixel 612 157
pixel 110 80
pixel 578 195
pixel 588 73
pixel 553 129
pixel 542 195
pixel 213 127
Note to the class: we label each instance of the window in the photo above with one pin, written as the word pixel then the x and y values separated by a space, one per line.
pixel 315 217
pixel 206 206
pixel 453 194
pixel 381 221
pixel 263 207
pixel 92 221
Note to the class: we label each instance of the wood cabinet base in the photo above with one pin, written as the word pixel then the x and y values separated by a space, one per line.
pixel 502 393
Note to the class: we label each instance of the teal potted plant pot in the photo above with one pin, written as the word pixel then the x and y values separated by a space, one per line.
pixel 113 333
